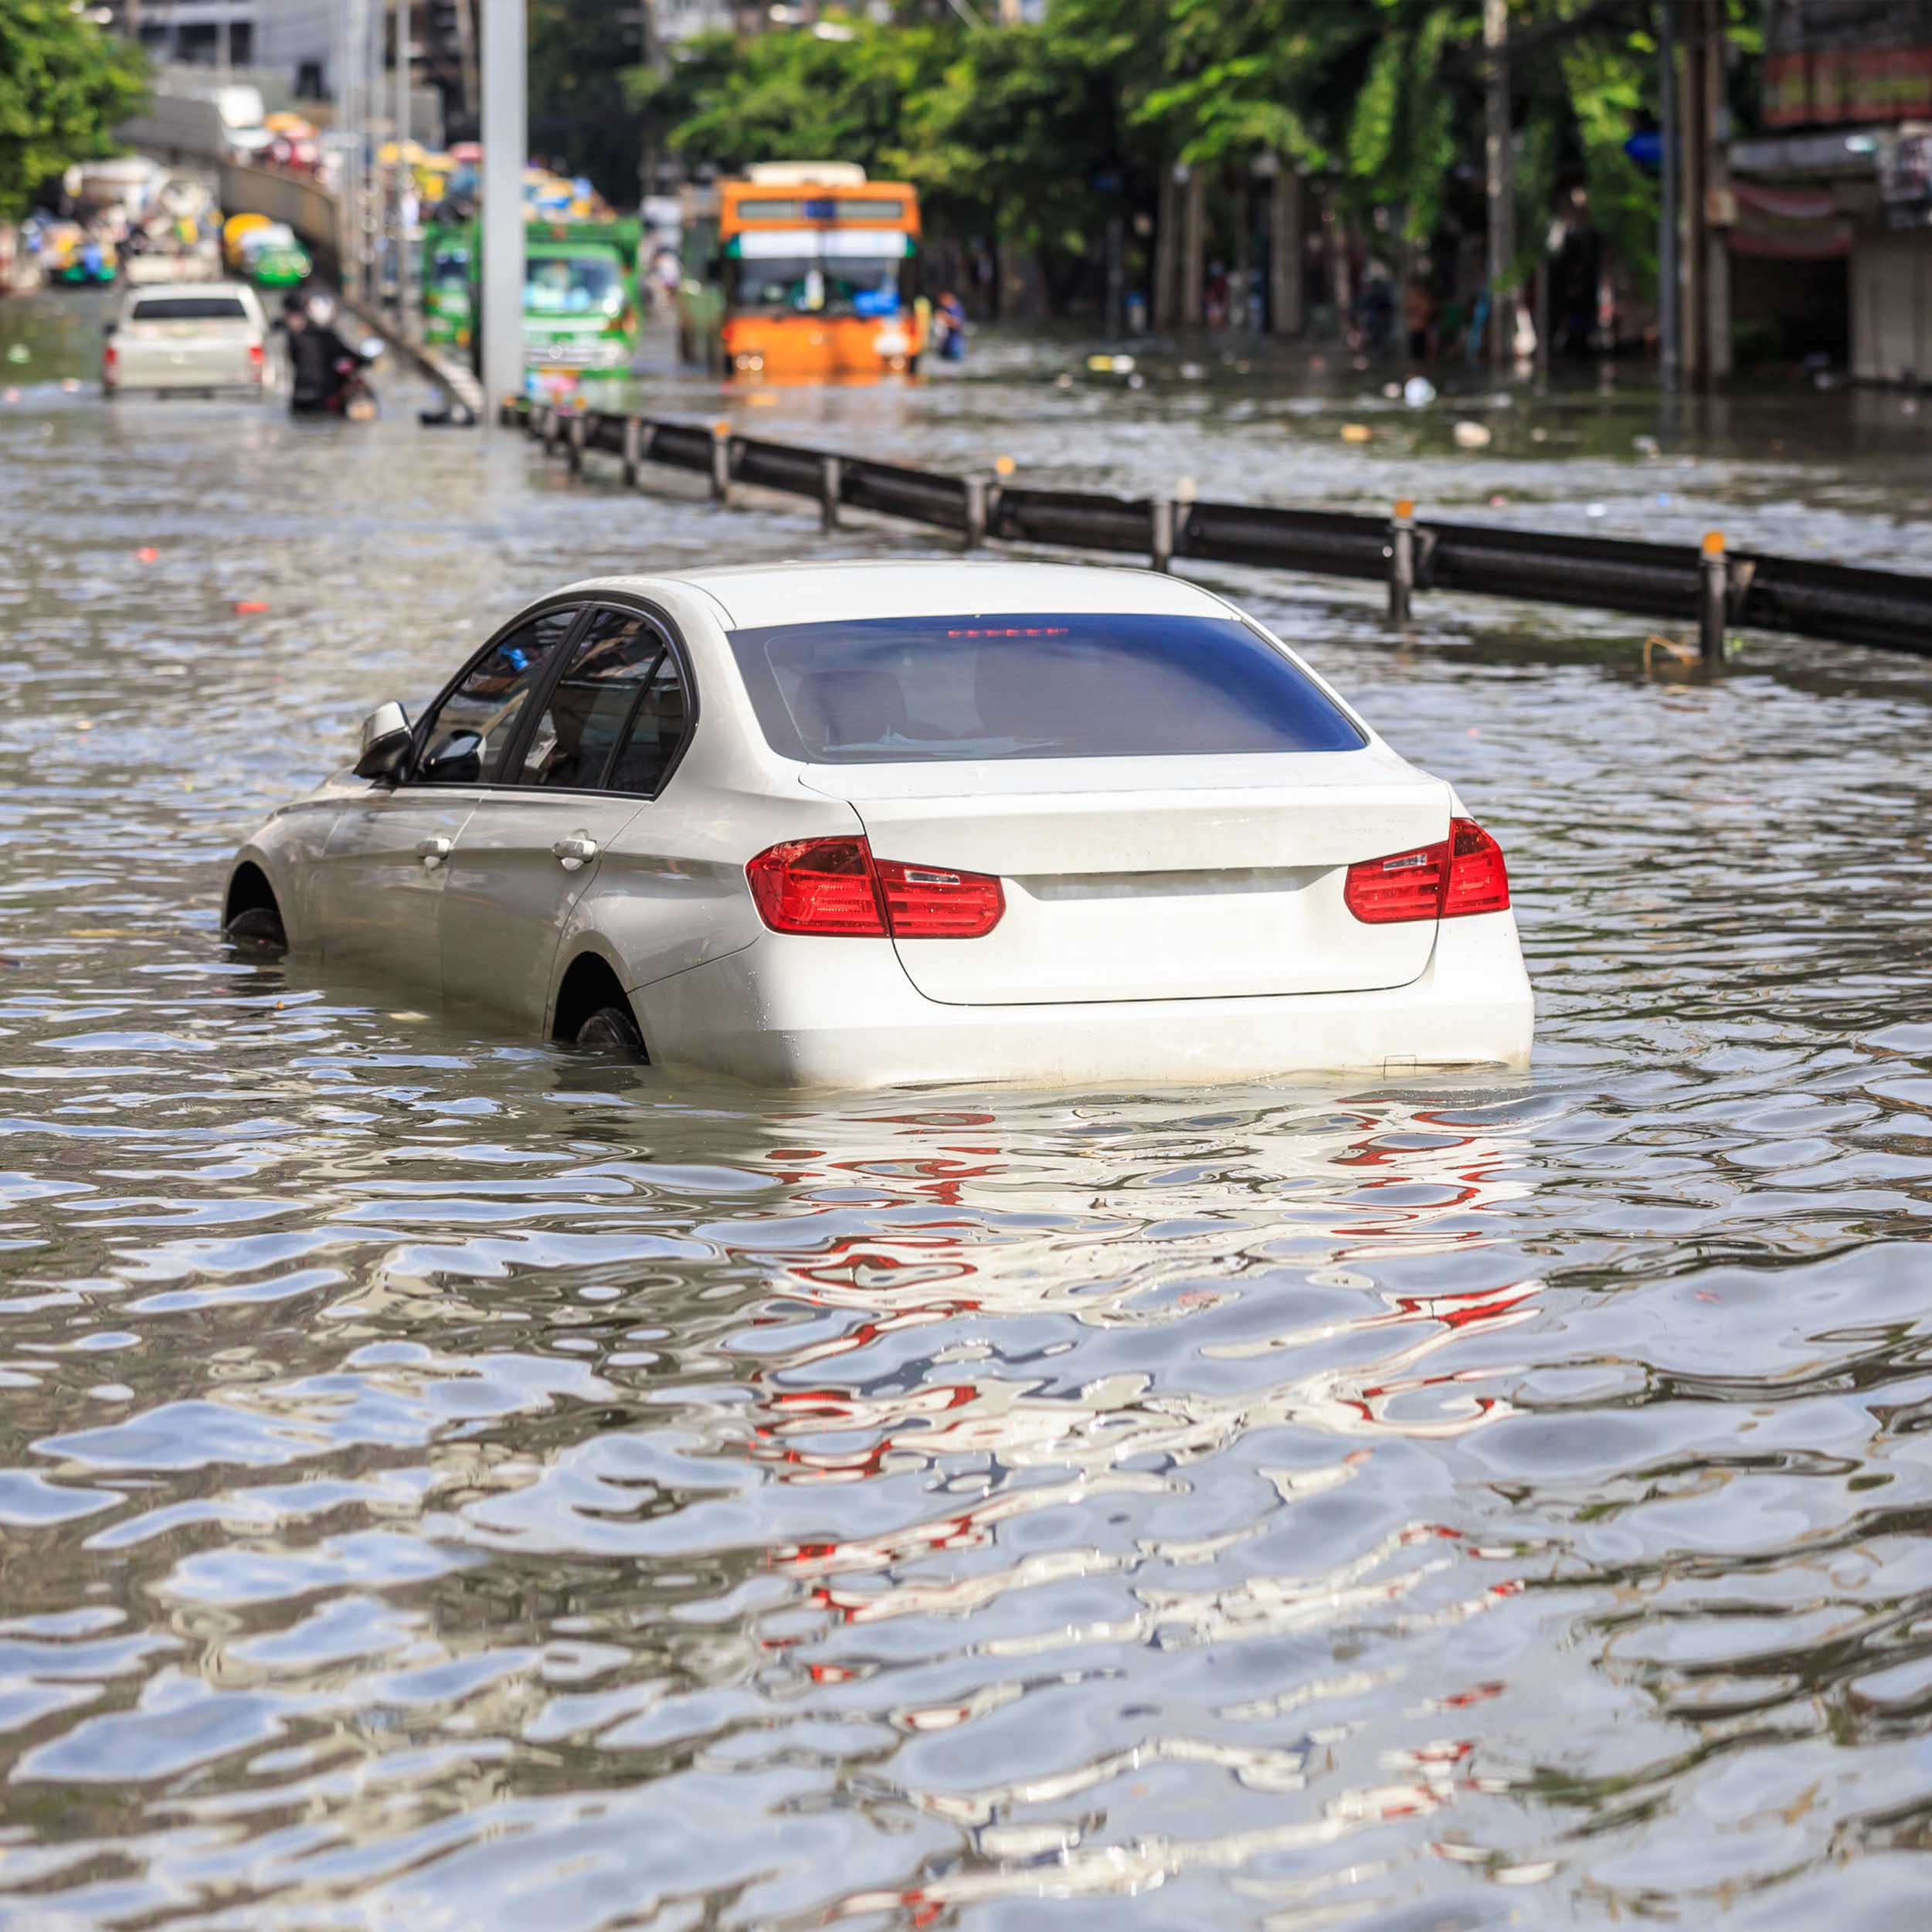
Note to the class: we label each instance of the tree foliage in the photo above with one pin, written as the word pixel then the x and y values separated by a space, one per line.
pixel 1045 134
pixel 63 85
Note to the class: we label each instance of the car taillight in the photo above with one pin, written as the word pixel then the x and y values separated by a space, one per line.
pixel 1459 875
pixel 834 887
pixel 111 358
pixel 1479 879
pixel 935 902
pixel 256 354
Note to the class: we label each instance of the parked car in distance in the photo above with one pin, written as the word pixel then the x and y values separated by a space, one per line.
pixel 868 824
pixel 187 335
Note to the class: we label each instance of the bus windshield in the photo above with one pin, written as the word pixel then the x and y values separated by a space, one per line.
pixel 573 285
pixel 816 285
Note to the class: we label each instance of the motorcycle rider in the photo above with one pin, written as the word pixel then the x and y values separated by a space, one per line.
pixel 320 363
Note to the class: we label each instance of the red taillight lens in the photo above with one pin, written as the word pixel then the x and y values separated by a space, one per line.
pixel 817 885
pixel 834 887
pixel 256 354
pixel 111 358
pixel 1461 874
pixel 1479 879
pixel 934 902
pixel 1405 885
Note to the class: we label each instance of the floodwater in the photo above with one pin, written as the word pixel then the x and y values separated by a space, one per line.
pixel 446 1481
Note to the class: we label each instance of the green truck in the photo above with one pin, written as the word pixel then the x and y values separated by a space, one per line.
pixel 580 295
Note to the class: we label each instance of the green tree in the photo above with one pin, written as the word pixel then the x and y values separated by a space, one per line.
pixel 63 85
pixel 725 103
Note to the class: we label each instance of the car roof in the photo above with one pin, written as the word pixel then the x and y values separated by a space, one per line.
pixel 753 595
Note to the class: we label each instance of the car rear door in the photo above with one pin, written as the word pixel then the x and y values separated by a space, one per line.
pixel 380 885
pixel 602 742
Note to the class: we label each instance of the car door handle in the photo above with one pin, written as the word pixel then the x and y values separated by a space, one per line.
pixel 575 849
pixel 433 852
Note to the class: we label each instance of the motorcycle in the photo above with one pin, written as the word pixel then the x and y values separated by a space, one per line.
pixel 354 396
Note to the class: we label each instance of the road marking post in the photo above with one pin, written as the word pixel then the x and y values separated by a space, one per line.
pixel 831 481
pixel 722 464
pixel 1161 521
pixel 1401 559
pixel 975 511
pixel 634 448
pixel 1713 597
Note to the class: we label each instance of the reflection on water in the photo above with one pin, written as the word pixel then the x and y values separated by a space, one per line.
pixel 443 1476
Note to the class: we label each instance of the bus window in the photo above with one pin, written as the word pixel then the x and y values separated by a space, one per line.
pixel 818 285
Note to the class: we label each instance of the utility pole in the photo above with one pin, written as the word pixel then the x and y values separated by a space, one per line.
pixel 647 152
pixel 506 137
pixel 349 122
pixel 405 174
pixel 466 60
pixel 1499 159
pixel 375 29
pixel 1669 324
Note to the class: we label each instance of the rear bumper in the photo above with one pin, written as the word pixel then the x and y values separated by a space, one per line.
pixel 816 1012
pixel 155 379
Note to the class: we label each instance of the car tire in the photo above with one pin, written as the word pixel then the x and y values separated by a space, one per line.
pixel 612 1030
pixel 259 927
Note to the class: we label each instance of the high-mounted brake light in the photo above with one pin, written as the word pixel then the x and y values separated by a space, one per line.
pixel 834 888
pixel 1461 874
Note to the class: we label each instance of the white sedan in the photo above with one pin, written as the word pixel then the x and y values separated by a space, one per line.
pixel 187 335
pixel 866 824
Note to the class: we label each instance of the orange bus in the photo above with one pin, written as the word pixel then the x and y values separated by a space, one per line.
pixel 814 265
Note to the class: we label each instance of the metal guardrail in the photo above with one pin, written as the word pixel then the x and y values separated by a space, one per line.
pixel 1708 585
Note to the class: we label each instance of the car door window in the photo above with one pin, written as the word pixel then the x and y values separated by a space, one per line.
pixel 656 731
pixel 467 739
pixel 589 705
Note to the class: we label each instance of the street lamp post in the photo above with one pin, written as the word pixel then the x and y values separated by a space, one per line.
pixel 505 141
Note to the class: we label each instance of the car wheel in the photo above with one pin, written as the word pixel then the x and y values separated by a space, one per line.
pixel 258 926
pixel 611 1030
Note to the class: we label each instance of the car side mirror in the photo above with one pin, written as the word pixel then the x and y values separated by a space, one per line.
pixel 386 739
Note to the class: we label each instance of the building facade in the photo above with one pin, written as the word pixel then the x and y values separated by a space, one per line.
pixel 1837 192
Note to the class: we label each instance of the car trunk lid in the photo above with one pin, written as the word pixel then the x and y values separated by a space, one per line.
pixel 1124 880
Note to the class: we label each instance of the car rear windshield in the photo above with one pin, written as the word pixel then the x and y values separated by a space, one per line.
pixel 903 690
pixel 190 308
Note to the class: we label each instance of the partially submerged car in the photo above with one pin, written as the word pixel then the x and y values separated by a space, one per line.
pixel 187 335
pixel 869 824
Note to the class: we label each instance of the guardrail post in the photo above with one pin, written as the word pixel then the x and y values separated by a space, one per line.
pixel 1161 521
pixel 1401 560
pixel 577 429
pixel 1714 598
pixel 831 481
pixel 634 448
pixel 975 511
pixel 722 464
